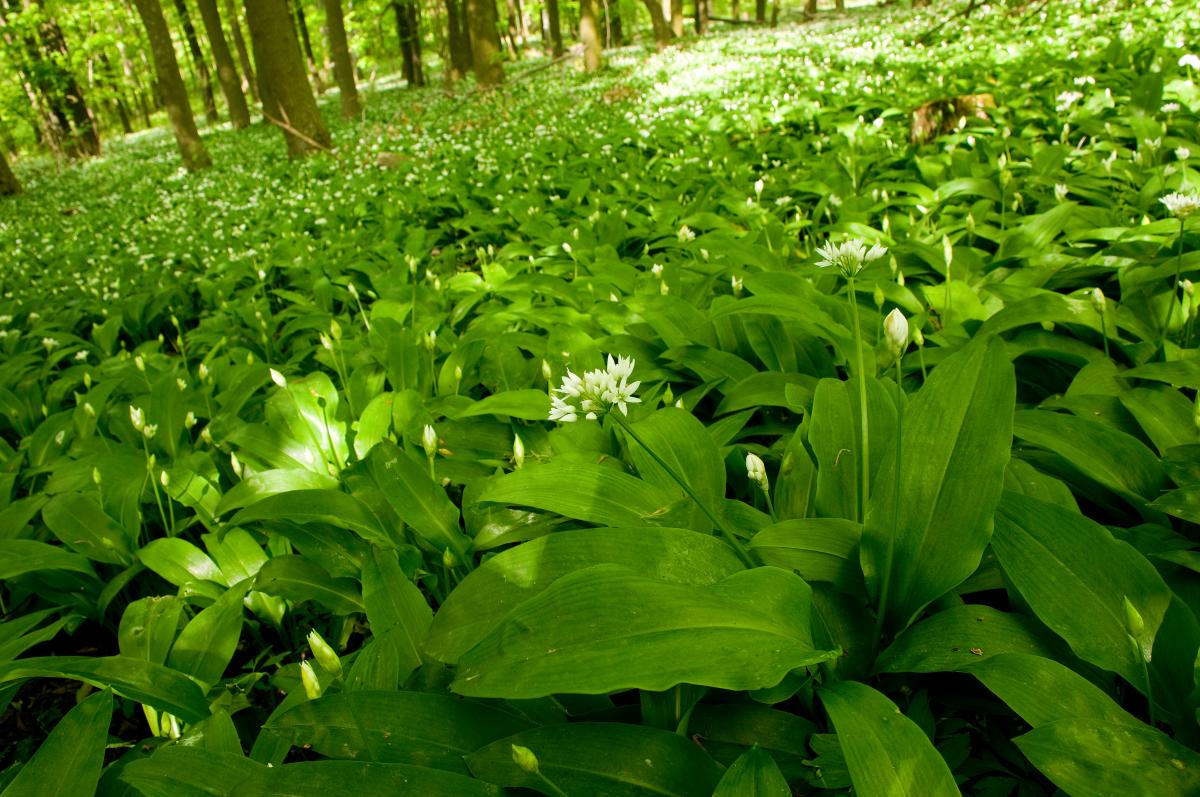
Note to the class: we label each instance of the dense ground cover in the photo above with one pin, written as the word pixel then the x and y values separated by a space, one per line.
pixel 279 398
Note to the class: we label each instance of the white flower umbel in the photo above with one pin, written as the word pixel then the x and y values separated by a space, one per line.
pixel 848 257
pixel 1182 205
pixel 596 392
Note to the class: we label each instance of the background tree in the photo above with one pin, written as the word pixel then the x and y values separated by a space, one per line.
pixel 306 41
pixel 554 28
pixel 408 31
pixel 170 85
pixel 674 9
pixel 658 24
pixel 485 42
pixel 589 35
pixel 288 99
pixel 55 44
pixel 458 41
pixel 239 43
pixel 231 84
pixel 343 66
pixel 9 184
pixel 702 16
pixel 203 77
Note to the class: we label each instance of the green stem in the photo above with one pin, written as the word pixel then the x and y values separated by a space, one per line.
pixel 770 504
pixel 864 415
pixel 730 537
pixel 555 791
pixel 1162 338
pixel 885 587
pixel 1153 715
pixel 1104 332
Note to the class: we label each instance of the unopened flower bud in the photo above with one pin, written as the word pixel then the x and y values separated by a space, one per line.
pixel 324 654
pixel 756 471
pixel 312 687
pixel 895 332
pixel 878 296
pixel 547 373
pixel 524 758
pixel 137 417
pixel 278 379
pixel 429 441
pixel 449 560
pixel 735 283
pixel 518 452
pixel 164 479
pixel 1098 301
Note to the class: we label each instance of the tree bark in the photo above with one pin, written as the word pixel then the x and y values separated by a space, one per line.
pixel 676 17
pixel 306 41
pixel 458 41
pixel 231 84
pixel 760 11
pixel 287 96
pixel 515 34
pixel 408 31
pixel 203 77
pixel 86 133
pixel 775 11
pixel 343 66
pixel 239 43
pixel 662 32
pixel 170 83
pixel 9 184
pixel 485 42
pixel 554 25
pixel 590 35
pixel 702 17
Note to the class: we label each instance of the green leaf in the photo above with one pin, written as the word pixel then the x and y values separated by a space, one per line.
pixel 179 562
pixel 753 775
pixel 332 507
pixel 615 760
pixel 1041 691
pixel 148 628
pixel 684 443
pixel 299 579
pixel 416 500
pixel 956 443
pixel 428 730
pixel 206 645
pixel 593 493
pixel 157 686
pixel 960 637
pixel 1182 503
pixel 1076 577
pixel 18 557
pixel 79 522
pixel 886 753
pixel 529 405
pixel 835 434
pixel 606 628
pixel 1104 759
pixel 68 763
pixel 355 779
pixel 480 602
pixel 177 771
pixel 393 603
pixel 819 549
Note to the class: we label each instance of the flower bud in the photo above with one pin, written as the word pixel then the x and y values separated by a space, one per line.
pixel 756 471
pixel 429 441
pixel 1098 300
pixel 308 677
pixel 324 654
pixel 278 379
pixel 449 560
pixel 518 451
pixel 878 296
pixel 524 758
pixel 895 332
pixel 1134 624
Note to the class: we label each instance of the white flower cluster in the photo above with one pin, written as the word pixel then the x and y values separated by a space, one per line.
pixel 849 257
pixel 1182 205
pixel 596 392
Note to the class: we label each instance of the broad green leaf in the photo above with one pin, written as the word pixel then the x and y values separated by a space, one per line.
pixel 206 645
pixel 18 557
pixel 359 778
pixel 1041 691
pixel 157 686
pixel 956 442
pixel 148 628
pixel 615 760
pixel 19 635
pixel 179 562
pixel 1182 503
pixel 307 410
pixel 68 763
pixel 215 733
pixel 682 441
pixel 1179 373
pixel 257 486
pixel 80 523
pixel 593 493
pixel 606 628
pixel 886 753
pixel 299 579
pixel 819 549
pixel 428 730
pixel 961 636
pixel 177 771
pixel 529 405
pixel 393 603
pixel 753 775
pixel 480 602
pixel 416 499
pixel 332 507
pixel 1076 577
pixel 1094 450
pixel 727 729
pixel 835 434
pixel 1103 759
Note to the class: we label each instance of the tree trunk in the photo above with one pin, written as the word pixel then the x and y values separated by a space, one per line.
pixel 408 31
pixel 86 133
pixel 170 83
pixel 458 41
pixel 760 11
pixel 203 77
pixel 702 17
pixel 662 32
pixel 554 26
pixel 676 17
pixel 343 66
pixel 485 42
pixel 614 36
pixel 514 25
pixel 590 35
pixel 522 23
pixel 239 43
pixel 840 5
pixel 775 11
pixel 289 101
pixel 306 42
pixel 9 184
pixel 735 9
pixel 231 84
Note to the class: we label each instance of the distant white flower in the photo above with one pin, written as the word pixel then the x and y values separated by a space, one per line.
pixel 1067 99
pixel 1182 205
pixel 279 379
pixel 1061 191
pixel 1183 153
pixel 686 234
pixel 596 392
pixel 50 343
pixel 849 257
pixel 1190 60
pixel 657 270
pixel 137 417
pixel 1170 107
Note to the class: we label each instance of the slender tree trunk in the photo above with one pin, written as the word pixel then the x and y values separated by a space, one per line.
pixel 485 42
pixel 203 76
pixel 343 65
pixel 408 31
pixel 840 5
pixel 775 11
pixel 735 9
pixel 231 84
pixel 82 119
pixel 289 103
pixel 522 23
pixel 702 17
pixel 760 11
pixel 9 184
pixel 555 28
pixel 514 25
pixel 677 17
pixel 662 32
pixel 413 8
pixel 590 35
pixel 458 41
pixel 170 83
pixel 239 43
pixel 49 129
pixel 306 42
